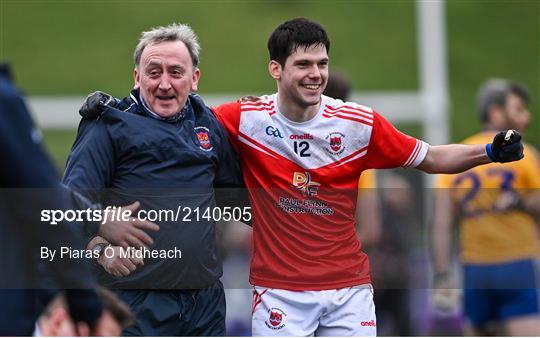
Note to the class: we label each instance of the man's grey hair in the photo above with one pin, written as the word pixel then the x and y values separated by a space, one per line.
pixel 173 32
pixel 494 92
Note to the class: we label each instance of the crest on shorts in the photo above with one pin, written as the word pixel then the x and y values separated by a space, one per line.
pixel 335 143
pixel 203 135
pixel 275 319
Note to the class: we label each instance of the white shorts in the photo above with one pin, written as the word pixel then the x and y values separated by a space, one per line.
pixel 343 312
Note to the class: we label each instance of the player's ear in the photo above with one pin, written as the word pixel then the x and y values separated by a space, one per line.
pixel 195 80
pixel 136 79
pixel 274 68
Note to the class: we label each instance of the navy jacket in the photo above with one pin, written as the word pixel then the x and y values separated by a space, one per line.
pixel 29 183
pixel 128 155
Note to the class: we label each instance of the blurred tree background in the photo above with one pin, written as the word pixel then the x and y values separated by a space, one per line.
pixel 75 47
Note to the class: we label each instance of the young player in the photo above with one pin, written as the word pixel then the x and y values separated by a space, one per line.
pixel 302 155
pixel 499 237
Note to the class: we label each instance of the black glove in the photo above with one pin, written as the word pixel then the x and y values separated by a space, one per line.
pixel 96 103
pixel 506 147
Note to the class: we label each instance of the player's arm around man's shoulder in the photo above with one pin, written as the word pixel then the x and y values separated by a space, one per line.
pixel 455 158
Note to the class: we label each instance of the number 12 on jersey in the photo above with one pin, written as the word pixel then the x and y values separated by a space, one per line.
pixel 301 148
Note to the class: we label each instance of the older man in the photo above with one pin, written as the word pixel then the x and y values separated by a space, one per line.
pixel 159 137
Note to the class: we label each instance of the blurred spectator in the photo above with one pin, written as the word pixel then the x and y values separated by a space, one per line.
pixel 390 258
pixel 237 238
pixel 56 321
pixel 338 86
pixel 30 184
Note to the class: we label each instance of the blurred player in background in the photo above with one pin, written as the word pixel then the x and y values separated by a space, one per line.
pixel 499 206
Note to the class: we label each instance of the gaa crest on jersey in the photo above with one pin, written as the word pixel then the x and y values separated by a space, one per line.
pixel 303 182
pixel 335 143
pixel 203 135
pixel 275 319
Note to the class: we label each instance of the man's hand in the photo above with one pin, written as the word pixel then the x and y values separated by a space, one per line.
pixel 116 265
pixel 445 298
pixel 506 147
pixel 95 103
pixel 128 233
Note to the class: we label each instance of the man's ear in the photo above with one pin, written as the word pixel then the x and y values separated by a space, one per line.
pixel 275 69
pixel 136 78
pixel 195 80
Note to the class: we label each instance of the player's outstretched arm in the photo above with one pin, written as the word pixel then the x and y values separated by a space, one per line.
pixel 456 158
pixel 453 158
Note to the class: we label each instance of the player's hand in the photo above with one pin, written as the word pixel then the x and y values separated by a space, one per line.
pixel 128 233
pixel 445 297
pixel 506 147
pixel 116 265
pixel 95 103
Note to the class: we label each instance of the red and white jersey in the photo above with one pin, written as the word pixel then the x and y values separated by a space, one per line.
pixel 302 179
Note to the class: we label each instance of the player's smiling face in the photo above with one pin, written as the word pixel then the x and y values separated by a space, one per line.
pixel 165 77
pixel 303 77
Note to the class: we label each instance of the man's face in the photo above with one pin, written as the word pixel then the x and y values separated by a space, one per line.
pixel 303 77
pixel 517 113
pixel 165 76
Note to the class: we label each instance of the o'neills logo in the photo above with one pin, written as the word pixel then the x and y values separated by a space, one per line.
pixel 306 136
pixel 275 319
pixel 370 323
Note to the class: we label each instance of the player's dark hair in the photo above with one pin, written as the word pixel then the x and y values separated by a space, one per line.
pixel 338 86
pixel 494 93
pixel 290 35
